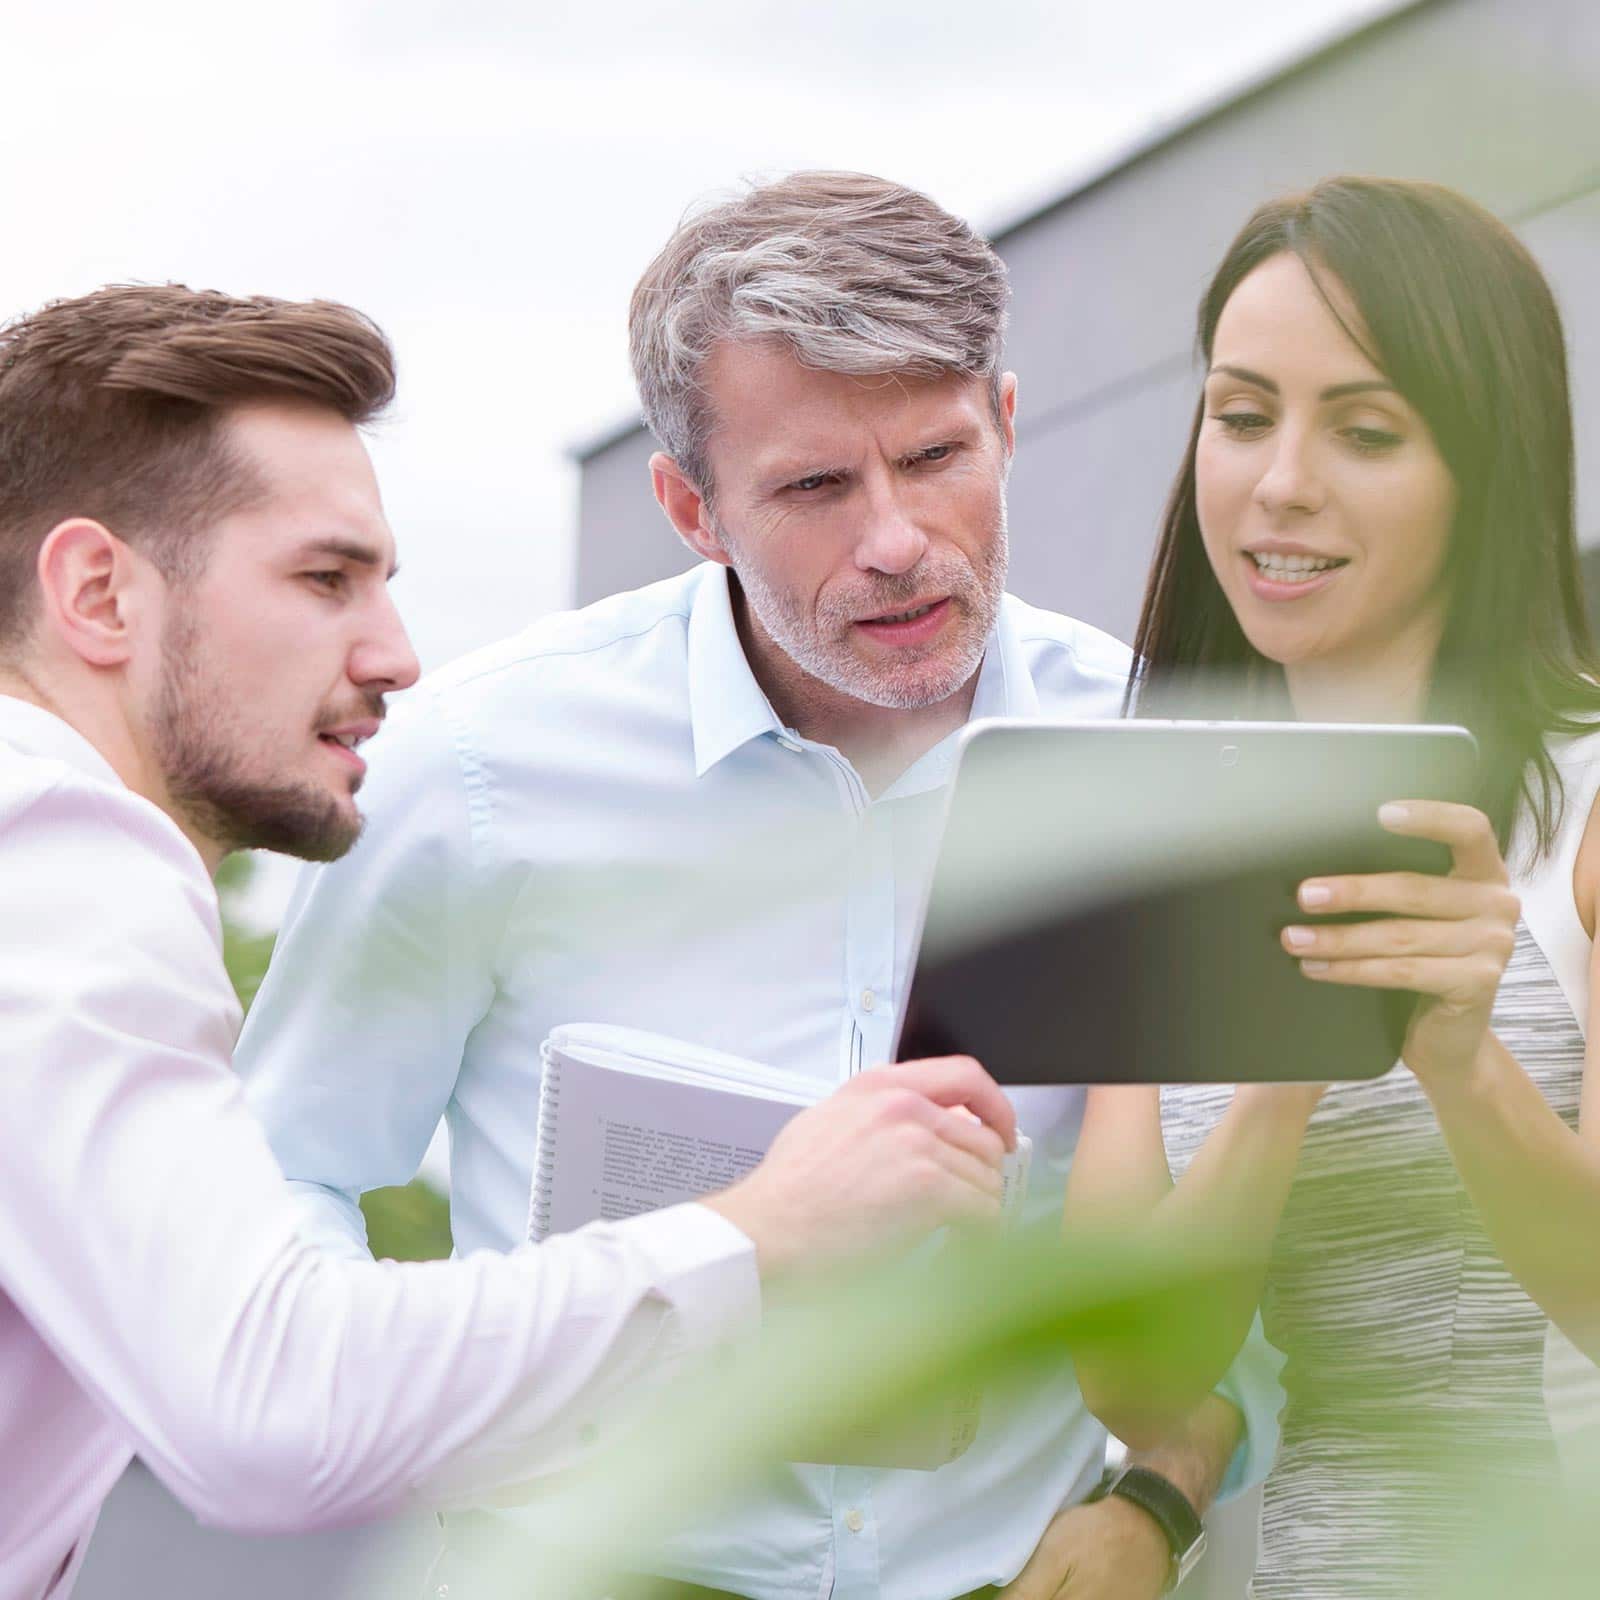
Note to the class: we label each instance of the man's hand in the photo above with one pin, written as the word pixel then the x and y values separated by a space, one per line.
pixel 1115 1548
pixel 894 1154
pixel 1110 1550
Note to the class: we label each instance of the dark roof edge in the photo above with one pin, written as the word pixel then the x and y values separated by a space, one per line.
pixel 624 428
pixel 1337 39
pixel 1334 42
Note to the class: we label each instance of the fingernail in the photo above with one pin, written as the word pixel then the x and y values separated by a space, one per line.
pixel 1313 966
pixel 1300 937
pixel 1315 894
pixel 1394 814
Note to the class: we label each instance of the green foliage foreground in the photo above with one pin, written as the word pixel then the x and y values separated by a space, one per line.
pixel 860 1352
pixel 839 1356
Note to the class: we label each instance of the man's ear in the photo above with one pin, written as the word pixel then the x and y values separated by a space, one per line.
pixel 685 508
pixel 86 580
pixel 1008 411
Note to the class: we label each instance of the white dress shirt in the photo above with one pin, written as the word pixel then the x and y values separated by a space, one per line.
pixel 155 1294
pixel 602 819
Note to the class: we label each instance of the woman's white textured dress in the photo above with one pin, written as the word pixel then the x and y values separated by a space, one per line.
pixel 1416 1366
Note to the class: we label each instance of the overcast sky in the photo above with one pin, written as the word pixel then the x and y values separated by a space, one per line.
pixel 488 179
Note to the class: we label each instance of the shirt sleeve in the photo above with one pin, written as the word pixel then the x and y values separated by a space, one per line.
pixel 1251 1384
pixel 149 1240
pixel 382 968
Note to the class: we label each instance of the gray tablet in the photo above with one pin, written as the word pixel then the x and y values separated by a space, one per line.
pixel 1108 898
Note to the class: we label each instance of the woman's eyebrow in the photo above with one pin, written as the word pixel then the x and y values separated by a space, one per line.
pixel 1361 386
pixel 1336 391
pixel 1246 375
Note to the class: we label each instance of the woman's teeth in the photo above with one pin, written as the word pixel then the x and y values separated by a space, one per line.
pixel 1293 569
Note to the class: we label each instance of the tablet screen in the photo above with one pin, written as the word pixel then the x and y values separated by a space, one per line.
pixel 1109 897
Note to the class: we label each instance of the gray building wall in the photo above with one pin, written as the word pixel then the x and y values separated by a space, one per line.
pixel 1499 98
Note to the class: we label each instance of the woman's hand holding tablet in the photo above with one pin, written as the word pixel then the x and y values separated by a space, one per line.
pixel 1447 939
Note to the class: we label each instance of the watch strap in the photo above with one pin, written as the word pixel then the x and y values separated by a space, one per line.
pixel 1169 1508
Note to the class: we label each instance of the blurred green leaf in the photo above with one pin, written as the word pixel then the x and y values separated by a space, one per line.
pixel 245 954
pixel 407 1224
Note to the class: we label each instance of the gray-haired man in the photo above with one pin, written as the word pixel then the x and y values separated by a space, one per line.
pixel 707 808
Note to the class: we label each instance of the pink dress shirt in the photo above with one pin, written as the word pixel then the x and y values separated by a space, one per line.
pixel 155 1295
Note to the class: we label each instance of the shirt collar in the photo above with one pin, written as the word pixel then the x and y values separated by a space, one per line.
pixel 1005 688
pixel 1005 685
pixel 727 708
pixel 37 732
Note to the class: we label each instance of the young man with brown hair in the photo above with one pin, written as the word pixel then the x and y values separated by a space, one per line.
pixel 195 636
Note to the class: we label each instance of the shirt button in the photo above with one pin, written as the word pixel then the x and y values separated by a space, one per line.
pixel 854 1521
pixel 588 1433
pixel 868 999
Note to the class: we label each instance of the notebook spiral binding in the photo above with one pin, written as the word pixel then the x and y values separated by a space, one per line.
pixel 544 1160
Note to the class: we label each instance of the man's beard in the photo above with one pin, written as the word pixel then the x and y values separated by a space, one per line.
pixel 203 752
pixel 817 639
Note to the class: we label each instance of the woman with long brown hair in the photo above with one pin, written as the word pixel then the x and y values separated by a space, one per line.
pixel 1374 522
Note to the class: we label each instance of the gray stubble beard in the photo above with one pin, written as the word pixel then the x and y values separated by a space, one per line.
pixel 805 637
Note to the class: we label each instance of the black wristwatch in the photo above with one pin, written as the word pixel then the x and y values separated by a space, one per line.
pixel 1178 1521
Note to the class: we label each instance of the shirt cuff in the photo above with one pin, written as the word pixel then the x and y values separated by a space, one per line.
pixel 1251 1384
pixel 705 1270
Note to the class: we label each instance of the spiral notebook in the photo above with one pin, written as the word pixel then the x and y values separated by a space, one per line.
pixel 631 1122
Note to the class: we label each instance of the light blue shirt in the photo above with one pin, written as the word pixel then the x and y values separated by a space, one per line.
pixel 602 819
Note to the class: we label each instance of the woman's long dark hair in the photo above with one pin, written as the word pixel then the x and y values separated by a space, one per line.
pixel 1457 315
